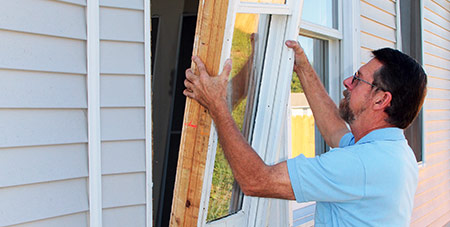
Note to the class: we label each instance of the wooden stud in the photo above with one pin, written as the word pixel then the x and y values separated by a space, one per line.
pixel 209 35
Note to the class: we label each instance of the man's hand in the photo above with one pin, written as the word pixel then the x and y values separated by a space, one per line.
pixel 205 89
pixel 301 61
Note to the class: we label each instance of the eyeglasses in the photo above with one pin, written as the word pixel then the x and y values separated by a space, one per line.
pixel 356 77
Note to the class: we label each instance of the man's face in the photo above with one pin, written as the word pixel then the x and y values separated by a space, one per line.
pixel 357 95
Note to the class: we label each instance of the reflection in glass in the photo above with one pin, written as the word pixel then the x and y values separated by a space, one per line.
pixel 306 138
pixel 322 12
pixel 226 197
pixel 266 1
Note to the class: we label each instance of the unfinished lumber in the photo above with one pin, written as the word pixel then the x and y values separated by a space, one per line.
pixel 209 35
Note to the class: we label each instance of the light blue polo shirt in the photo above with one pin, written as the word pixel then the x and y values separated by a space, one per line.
pixel 370 183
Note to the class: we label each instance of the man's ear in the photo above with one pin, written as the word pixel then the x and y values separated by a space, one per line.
pixel 382 100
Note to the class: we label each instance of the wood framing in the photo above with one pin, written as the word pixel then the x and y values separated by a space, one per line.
pixel 209 35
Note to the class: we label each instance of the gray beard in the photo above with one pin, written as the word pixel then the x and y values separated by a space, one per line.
pixel 344 109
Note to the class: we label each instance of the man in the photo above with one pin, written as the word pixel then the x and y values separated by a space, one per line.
pixel 370 176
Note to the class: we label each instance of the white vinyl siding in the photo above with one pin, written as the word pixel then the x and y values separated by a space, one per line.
pixel 378 26
pixel 44 162
pixel 432 202
pixel 122 102
pixel 43 122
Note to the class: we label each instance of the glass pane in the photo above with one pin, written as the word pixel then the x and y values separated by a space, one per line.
pixel 322 12
pixel 306 138
pixel 248 36
pixel 266 1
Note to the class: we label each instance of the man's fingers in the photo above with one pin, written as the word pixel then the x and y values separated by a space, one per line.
pixel 295 46
pixel 190 75
pixel 188 93
pixel 200 66
pixel 188 85
pixel 226 69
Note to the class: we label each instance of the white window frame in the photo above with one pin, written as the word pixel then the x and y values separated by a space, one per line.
pixel 273 100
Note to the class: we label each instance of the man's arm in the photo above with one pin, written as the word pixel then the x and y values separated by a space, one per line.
pixel 253 175
pixel 326 113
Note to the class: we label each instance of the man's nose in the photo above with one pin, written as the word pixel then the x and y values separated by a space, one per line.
pixel 348 83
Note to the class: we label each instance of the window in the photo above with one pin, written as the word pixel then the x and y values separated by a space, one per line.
pixel 321 36
pixel 258 92
pixel 248 40
pixel 411 39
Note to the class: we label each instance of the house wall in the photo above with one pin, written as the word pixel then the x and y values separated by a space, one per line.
pixel 44 160
pixel 378 26
pixel 432 202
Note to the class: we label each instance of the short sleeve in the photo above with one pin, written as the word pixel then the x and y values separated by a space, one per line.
pixel 335 176
pixel 347 140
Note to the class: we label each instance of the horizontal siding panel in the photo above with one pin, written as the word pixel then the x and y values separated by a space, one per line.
pixel 438 146
pixel 437 104
pixel 437 15
pixel 123 190
pixel 436 29
pixel 122 123
pixel 438 115
pixel 444 220
pixel 371 42
pixel 444 4
pixel 121 24
pixel 126 91
pixel 26 89
pixel 437 72
pixel 366 55
pixel 378 15
pixel 433 93
pixel 129 4
pixel 434 170
pixel 76 2
pixel 435 39
pixel 436 51
pixel 432 210
pixel 433 126
pixel 437 136
pixel 42 53
pixel 386 5
pixel 378 30
pixel 53 18
pixel 436 61
pixel 123 157
pixel 124 216
pixel 26 127
pixel 432 193
pixel 39 201
pixel 26 165
pixel 121 57
pixel 432 182
pixel 74 220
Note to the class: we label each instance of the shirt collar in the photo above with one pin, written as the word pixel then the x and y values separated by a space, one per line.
pixel 386 134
